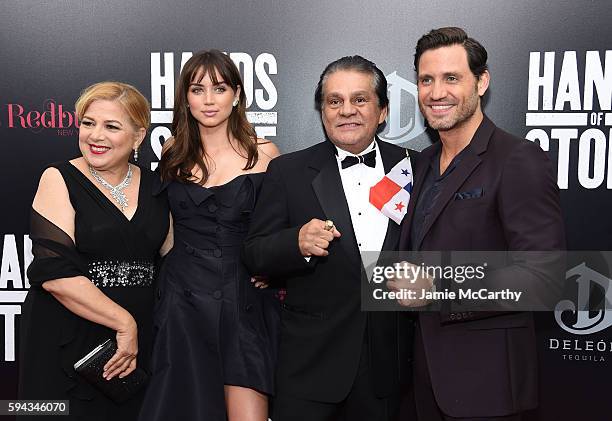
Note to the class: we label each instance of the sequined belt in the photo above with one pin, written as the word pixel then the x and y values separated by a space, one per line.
pixel 121 273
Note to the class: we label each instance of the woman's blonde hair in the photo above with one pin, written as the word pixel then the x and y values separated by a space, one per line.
pixel 132 101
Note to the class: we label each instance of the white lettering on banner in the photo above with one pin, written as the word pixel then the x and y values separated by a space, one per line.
pixel 597 79
pixel 266 60
pixel 161 79
pixel 562 105
pixel 9 312
pixel 13 288
pixel 255 72
pixel 9 270
pixel 10 267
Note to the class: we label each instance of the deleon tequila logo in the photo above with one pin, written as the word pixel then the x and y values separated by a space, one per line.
pixel 587 320
pixel 52 116
pixel 586 323
pixel 405 121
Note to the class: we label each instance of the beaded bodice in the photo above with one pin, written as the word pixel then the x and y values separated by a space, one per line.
pixel 118 252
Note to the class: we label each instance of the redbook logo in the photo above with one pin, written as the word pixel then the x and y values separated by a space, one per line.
pixel 51 116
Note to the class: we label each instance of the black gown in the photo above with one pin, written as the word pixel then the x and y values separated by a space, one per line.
pixel 118 255
pixel 212 326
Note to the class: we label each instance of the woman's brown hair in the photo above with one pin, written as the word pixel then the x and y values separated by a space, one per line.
pixel 187 150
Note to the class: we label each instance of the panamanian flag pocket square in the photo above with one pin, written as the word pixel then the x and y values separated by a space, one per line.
pixel 392 194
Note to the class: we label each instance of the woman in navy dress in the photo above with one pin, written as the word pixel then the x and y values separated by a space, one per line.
pixel 215 331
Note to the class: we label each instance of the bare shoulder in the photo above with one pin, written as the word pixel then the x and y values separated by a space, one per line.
pixel 267 148
pixel 51 185
pixel 53 201
pixel 267 152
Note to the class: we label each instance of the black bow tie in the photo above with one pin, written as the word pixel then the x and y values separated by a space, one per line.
pixel 369 159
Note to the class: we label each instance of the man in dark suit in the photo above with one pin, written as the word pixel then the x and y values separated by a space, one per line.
pixel 478 188
pixel 312 219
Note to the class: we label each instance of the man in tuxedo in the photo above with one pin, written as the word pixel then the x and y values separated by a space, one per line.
pixel 312 219
pixel 477 188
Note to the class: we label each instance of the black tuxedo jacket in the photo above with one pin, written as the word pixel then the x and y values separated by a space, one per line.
pixel 502 196
pixel 322 326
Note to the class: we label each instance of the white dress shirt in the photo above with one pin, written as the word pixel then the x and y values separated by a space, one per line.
pixel 369 224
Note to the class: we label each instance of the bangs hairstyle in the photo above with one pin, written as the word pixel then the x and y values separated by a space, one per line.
pixel 445 37
pixel 186 150
pixel 133 102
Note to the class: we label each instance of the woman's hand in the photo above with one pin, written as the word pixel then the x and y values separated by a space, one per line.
pixel 124 360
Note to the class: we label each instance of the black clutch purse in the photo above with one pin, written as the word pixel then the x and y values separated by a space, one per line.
pixel 91 368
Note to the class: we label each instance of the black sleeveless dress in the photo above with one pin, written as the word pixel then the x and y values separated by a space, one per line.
pixel 212 326
pixel 118 255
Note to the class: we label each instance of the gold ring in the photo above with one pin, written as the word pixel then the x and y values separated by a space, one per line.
pixel 329 225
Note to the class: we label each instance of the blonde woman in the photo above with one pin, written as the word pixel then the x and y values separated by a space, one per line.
pixel 96 231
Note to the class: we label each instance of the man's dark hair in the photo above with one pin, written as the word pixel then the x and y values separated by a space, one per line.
pixel 444 37
pixel 357 64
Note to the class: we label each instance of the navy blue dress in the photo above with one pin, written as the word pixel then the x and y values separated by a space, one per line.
pixel 212 327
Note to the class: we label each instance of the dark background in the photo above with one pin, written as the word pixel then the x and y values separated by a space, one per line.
pixel 50 50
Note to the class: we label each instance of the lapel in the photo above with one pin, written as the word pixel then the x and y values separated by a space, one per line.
pixel 419 175
pixel 391 155
pixel 327 186
pixel 471 160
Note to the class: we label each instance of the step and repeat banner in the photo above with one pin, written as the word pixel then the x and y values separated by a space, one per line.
pixel 551 67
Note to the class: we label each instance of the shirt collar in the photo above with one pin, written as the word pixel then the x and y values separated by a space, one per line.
pixel 435 162
pixel 341 153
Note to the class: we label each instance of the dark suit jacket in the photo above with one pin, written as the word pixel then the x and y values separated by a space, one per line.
pixel 487 367
pixel 322 326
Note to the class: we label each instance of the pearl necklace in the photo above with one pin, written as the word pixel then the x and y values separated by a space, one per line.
pixel 115 191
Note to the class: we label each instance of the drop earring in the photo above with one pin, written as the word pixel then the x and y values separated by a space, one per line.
pixel 136 155
pixel 235 102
